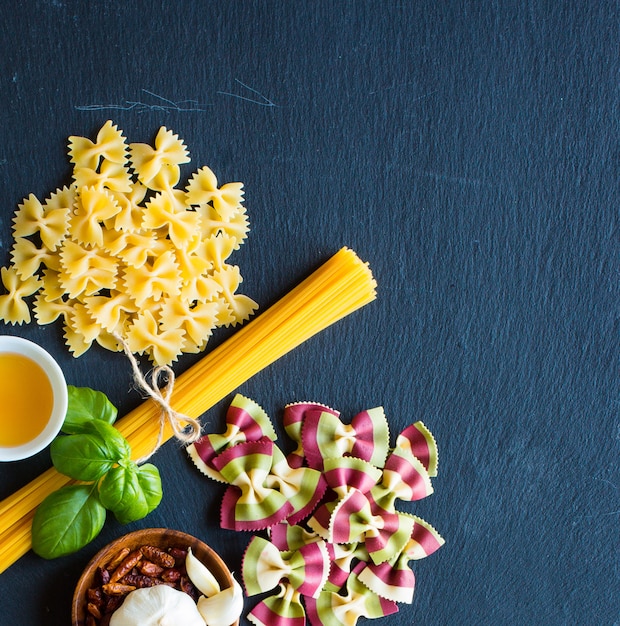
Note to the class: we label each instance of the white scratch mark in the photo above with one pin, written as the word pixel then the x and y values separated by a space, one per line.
pixel 162 104
pixel 264 101
pixel 165 104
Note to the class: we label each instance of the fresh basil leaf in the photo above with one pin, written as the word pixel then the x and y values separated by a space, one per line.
pixel 85 404
pixel 117 444
pixel 131 492
pixel 89 455
pixel 150 481
pixel 120 492
pixel 67 520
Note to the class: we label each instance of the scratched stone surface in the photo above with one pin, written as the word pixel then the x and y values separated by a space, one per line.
pixel 469 152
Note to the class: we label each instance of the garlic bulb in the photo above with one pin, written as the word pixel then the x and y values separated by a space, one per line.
pixel 157 606
pixel 222 609
pixel 201 576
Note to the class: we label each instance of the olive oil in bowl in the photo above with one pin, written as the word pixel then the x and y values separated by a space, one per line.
pixel 26 401
pixel 33 398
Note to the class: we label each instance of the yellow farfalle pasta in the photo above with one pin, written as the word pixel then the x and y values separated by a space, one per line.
pixel 86 270
pixel 92 207
pixel 48 221
pixel 48 311
pixel 238 306
pixel 83 322
pixel 28 217
pixel 191 264
pixel 26 257
pixel 122 254
pixel 146 334
pixel 203 189
pixel 129 218
pixel 218 249
pixel 111 311
pixel 197 321
pixel 61 199
pixel 110 144
pixel 211 223
pixel 158 168
pixel 13 307
pixel 76 342
pixel 137 248
pixel 113 176
pixel 203 288
pixel 167 212
pixel 51 289
pixel 153 279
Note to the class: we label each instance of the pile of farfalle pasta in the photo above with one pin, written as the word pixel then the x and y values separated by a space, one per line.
pixel 122 253
pixel 337 546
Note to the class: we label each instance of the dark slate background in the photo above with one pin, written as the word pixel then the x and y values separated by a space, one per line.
pixel 469 152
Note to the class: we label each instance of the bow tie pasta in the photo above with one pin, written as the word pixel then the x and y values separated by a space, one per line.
pixel 124 253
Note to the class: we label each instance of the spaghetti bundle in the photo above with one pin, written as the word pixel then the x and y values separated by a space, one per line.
pixel 337 288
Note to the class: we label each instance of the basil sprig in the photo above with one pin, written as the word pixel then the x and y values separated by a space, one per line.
pixel 93 452
pixel 131 491
pixel 90 454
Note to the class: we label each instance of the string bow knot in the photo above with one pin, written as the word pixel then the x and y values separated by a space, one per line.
pixel 185 428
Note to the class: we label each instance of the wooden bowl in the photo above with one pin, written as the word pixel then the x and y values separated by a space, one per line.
pixel 159 537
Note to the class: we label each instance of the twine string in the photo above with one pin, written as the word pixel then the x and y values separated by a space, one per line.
pixel 185 428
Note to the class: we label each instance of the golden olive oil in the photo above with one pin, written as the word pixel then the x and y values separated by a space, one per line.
pixel 26 399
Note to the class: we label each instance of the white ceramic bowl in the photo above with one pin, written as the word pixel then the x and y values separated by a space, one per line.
pixel 24 347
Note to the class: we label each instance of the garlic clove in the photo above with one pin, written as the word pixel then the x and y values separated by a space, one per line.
pixel 224 608
pixel 157 606
pixel 200 575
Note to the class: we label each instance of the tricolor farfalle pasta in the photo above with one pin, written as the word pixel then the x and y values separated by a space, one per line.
pixel 355 520
pixel 404 478
pixel 283 608
pixel 292 420
pixel 245 421
pixel 292 536
pixel 324 436
pixel 357 600
pixel 420 442
pixel 345 556
pixel 347 473
pixel 265 566
pixel 352 522
pixel 302 486
pixel 394 579
pixel 263 489
pixel 249 504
